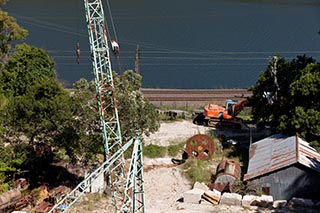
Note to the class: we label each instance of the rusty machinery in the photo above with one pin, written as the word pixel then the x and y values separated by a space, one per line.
pixel 228 171
pixel 200 146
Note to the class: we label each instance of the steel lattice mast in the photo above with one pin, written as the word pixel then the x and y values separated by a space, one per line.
pixel 127 193
pixel 85 185
pixel 105 94
pixel 134 191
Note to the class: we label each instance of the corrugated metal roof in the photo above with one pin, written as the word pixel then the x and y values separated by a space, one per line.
pixel 278 151
pixel 308 156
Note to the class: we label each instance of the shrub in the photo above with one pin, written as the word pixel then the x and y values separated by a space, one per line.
pixel 173 150
pixel 154 151
pixel 197 170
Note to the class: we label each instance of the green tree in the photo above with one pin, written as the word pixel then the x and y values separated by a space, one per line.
pixel 305 104
pixel 26 66
pixel 12 159
pixel 37 108
pixel 136 113
pixel 286 97
pixel 38 104
pixel 3 104
pixel 10 31
pixel 82 136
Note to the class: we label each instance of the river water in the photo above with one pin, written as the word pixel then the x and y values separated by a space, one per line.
pixel 183 43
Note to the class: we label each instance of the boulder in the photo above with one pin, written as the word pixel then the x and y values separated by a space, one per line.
pixel 301 202
pixel 233 199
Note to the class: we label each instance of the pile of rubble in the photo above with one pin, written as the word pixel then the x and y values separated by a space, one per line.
pixel 201 194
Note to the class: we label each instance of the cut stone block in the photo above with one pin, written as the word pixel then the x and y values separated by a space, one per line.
pixel 98 185
pixel 202 186
pixel 250 200
pixel 233 199
pixel 193 196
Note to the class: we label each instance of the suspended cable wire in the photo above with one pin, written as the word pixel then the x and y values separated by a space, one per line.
pixel 115 40
pixel 112 22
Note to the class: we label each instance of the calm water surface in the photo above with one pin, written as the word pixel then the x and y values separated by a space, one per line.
pixel 183 43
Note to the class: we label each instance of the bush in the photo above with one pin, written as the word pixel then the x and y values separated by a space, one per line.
pixel 173 150
pixel 197 170
pixel 154 151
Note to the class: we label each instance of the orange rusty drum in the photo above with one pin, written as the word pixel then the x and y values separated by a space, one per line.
pixel 230 167
pixel 200 146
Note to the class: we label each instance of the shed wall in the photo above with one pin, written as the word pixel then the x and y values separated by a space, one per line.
pixel 293 181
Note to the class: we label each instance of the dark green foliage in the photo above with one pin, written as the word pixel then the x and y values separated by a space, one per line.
pixel 27 65
pixel 12 160
pixel 84 132
pixel 35 111
pixel 38 105
pixel 293 106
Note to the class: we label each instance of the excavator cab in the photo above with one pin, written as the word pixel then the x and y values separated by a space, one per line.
pixel 230 106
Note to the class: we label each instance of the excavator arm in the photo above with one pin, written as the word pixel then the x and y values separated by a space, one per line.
pixel 239 107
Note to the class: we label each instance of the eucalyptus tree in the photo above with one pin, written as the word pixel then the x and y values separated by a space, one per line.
pixel 136 113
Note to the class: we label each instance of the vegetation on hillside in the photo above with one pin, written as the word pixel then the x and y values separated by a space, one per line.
pixel 286 98
pixel 41 122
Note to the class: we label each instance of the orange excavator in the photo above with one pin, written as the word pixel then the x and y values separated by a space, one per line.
pixel 215 115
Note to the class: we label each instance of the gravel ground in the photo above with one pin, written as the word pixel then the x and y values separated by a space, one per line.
pixel 174 132
pixel 164 184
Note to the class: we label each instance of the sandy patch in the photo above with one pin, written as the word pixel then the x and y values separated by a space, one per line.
pixel 174 132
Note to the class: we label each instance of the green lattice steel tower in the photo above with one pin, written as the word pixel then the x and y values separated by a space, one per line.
pixel 127 192
pixel 106 95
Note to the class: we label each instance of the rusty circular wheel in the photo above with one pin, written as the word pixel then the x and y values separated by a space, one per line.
pixel 200 146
